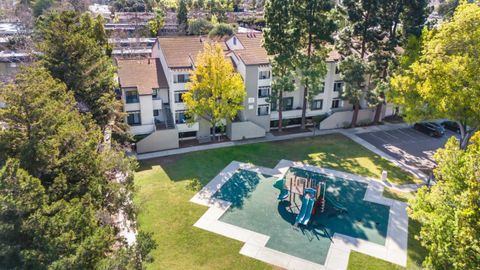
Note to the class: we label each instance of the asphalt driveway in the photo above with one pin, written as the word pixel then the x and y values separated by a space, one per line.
pixel 408 145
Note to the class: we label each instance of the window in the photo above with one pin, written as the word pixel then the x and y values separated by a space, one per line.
pixel 180 117
pixel 179 97
pixel 181 78
pixel 156 113
pixel 264 74
pixel 263 91
pixel 337 68
pixel 317 104
pixel 273 106
pixel 322 87
pixel 133 118
pixel 287 104
pixel 156 93
pixel 335 103
pixel 263 109
pixel 338 86
pixel 234 40
pixel 131 96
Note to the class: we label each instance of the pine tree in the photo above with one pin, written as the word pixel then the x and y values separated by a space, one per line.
pixel 314 28
pixel 182 15
pixel 74 50
pixel 70 185
pixel 280 43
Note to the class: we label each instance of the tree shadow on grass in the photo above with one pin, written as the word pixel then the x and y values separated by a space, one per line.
pixel 331 151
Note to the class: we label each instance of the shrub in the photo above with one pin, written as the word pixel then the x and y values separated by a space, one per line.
pixel 199 27
pixel 221 30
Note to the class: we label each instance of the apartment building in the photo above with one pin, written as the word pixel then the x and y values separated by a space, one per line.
pixel 152 92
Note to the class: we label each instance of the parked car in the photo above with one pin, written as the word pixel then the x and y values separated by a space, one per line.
pixel 452 125
pixel 432 129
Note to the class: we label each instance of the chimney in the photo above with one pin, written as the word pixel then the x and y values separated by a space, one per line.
pixel 201 39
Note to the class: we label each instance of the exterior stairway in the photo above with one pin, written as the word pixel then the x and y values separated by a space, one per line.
pixel 169 124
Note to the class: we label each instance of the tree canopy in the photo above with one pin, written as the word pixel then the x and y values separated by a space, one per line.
pixel 215 91
pixel 313 26
pixel 443 81
pixel 450 210
pixel 74 50
pixel 280 42
pixel 71 184
pixel 221 30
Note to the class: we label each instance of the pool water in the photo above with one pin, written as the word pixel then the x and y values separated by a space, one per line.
pixel 255 207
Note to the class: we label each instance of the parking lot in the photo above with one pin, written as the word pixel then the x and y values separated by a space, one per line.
pixel 408 145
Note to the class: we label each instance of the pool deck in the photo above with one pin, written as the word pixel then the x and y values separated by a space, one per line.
pixel 394 250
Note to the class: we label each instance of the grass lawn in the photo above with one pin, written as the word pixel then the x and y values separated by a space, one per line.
pixel 397 195
pixel 162 196
pixel 415 255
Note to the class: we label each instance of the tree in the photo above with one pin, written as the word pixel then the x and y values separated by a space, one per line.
pixel 443 82
pixel 21 195
pixel 372 34
pixel 199 26
pixel 313 28
pixel 280 42
pixel 40 6
pixel 450 210
pixel 415 17
pixel 129 6
pixel 157 23
pixel 215 91
pixel 74 49
pixel 182 15
pixel 61 184
pixel 221 30
pixel 353 74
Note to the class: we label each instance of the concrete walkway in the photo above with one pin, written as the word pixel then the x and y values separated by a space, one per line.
pixel 268 138
pixel 351 133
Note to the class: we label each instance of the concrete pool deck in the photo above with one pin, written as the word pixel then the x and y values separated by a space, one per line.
pixel 394 250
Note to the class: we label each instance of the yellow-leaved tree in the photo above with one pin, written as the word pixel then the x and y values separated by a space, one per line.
pixel 215 91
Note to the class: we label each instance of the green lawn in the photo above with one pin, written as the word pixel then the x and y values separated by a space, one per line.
pixel 415 254
pixel 397 195
pixel 164 209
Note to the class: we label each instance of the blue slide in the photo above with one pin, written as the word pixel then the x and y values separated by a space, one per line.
pixel 307 206
pixel 283 195
pixel 334 203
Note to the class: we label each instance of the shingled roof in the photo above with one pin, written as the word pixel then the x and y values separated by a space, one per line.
pixel 180 52
pixel 143 74
pixel 253 52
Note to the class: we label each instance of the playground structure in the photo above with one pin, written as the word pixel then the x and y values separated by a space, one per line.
pixel 312 188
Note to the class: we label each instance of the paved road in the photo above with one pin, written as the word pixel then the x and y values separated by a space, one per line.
pixel 408 145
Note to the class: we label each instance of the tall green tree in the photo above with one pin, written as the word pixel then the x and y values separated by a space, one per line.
pixel 314 27
pixel 215 91
pixel 450 210
pixel 374 32
pixel 443 82
pixel 74 49
pixel 280 42
pixel 182 15
pixel 61 186
pixel 353 74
